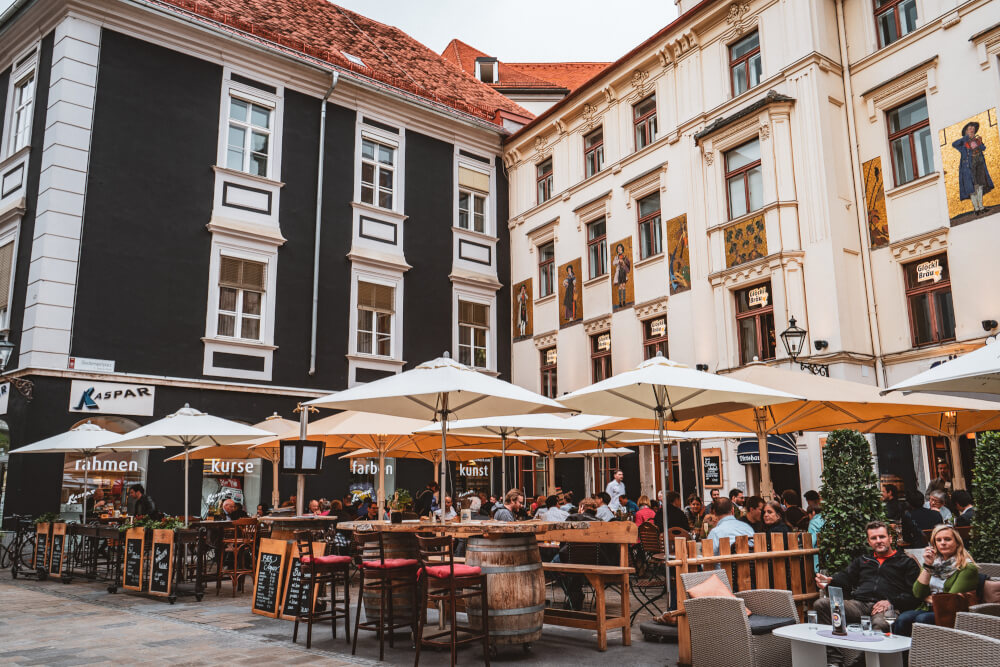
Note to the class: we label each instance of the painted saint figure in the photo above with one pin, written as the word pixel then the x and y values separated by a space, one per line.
pixel 569 298
pixel 973 178
pixel 622 266
pixel 522 310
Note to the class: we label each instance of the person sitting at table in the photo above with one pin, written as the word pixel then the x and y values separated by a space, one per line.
pixel 512 504
pixel 938 500
pixel 871 583
pixel 675 515
pixel 695 511
pixel 966 512
pixel 144 505
pixel 94 503
pixel 628 504
pixel 946 568
pixel 230 510
pixel 645 512
pixel 773 518
pixel 795 516
pixel 291 502
pixel 728 525
pixel 315 509
pixel 567 504
pixel 553 511
pixel 449 511
pixel 262 510
pixel 604 512
pixel 918 519
pixel 753 511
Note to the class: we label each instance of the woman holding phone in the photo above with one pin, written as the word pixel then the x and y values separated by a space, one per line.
pixel 946 568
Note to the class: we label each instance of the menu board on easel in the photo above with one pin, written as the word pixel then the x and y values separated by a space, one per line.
pixel 711 467
pixel 41 545
pixel 297 587
pixel 132 571
pixel 272 557
pixel 57 554
pixel 161 566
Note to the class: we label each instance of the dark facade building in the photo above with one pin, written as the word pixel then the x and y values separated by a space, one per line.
pixel 238 205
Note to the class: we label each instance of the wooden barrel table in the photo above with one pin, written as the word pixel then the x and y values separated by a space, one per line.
pixel 395 545
pixel 515 587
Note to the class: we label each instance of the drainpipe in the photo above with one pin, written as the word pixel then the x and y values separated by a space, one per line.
pixel 334 77
pixel 859 198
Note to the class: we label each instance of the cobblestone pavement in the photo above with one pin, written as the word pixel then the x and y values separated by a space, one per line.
pixel 50 623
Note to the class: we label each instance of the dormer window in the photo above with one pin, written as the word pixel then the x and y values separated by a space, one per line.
pixel 487 69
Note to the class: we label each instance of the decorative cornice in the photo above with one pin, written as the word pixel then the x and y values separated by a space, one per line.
pixel 597 324
pixel 643 184
pixel 269 234
pixel 736 18
pixel 544 340
pixel 757 269
pixel 947 350
pixel 772 97
pixel 651 308
pixel 917 246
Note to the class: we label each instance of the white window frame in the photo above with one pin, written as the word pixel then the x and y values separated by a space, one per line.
pixel 472 342
pixel 489 213
pixel 266 320
pixel 367 274
pixel 473 195
pixel 28 60
pixel 374 331
pixel 10 235
pixel 463 292
pixel 238 314
pixel 249 93
pixel 386 138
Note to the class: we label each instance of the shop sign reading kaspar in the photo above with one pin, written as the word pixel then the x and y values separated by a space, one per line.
pixel 111 398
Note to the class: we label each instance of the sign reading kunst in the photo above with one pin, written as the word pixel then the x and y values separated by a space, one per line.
pixel 111 398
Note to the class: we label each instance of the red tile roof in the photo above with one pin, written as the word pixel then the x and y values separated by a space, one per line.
pixel 323 31
pixel 568 75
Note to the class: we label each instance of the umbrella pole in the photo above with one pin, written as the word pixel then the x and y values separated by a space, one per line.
pixel 760 420
pixel 503 464
pixel 300 482
pixel 275 496
pixel 186 483
pixel 957 478
pixel 380 498
pixel 444 453
pixel 660 427
pixel 86 485
pixel 552 474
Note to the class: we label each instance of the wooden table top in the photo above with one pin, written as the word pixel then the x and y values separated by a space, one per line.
pixel 296 519
pixel 466 528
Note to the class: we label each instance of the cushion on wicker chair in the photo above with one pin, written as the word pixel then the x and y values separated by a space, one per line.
pixel 712 587
pixel 991 591
pixel 762 625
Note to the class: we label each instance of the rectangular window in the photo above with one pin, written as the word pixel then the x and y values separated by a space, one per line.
pixel 534 479
pixel 249 139
pixel 543 178
pixel 241 298
pixel 6 271
pixel 473 333
pixel 893 19
pixel 644 120
pixel 755 323
pixel 910 141
pixel 593 151
pixel 928 298
pixel 546 269
pixel 597 248
pixel 744 184
pixel 744 63
pixel 378 173
pixel 650 229
pixel 473 192
pixel 550 383
pixel 654 337
pixel 20 127
pixel 600 356
pixel 376 305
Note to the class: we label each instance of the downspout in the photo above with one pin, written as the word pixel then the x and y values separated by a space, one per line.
pixel 859 198
pixel 334 78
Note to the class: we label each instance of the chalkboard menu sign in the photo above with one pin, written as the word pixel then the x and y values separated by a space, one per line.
pixel 711 467
pixel 41 545
pixel 57 552
pixel 132 572
pixel 269 576
pixel 161 566
pixel 298 587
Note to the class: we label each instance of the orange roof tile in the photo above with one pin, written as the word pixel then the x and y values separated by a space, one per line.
pixel 568 75
pixel 323 31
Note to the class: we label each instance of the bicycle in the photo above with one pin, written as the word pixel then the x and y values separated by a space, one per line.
pixel 19 553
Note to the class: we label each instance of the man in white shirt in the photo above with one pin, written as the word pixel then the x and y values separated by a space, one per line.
pixel 552 511
pixel 604 512
pixel 616 489
pixel 475 502
pixel 449 511
pixel 728 525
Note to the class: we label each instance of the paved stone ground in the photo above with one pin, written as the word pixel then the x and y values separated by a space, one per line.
pixel 50 623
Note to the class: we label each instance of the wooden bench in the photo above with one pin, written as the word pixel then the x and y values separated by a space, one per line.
pixel 622 533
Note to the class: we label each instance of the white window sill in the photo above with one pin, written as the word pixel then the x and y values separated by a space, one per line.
pixel 479 235
pixel 603 278
pixel 652 259
pixel 14 157
pixel 250 177
pixel 239 342
pixel 377 210
pixel 360 356
pixel 545 299
pixel 915 184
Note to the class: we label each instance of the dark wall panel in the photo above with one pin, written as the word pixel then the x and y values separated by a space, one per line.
pixel 503 274
pixel 145 251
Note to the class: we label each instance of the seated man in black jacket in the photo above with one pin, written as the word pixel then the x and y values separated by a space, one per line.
pixel 871 583
pixel 676 518
pixel 918 519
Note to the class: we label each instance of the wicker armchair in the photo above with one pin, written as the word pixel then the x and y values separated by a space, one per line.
pixel 935 646
pixel 712 617
pixel 991 570
pixel 981 624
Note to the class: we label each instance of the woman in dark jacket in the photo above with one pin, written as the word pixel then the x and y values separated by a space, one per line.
pixel 773 517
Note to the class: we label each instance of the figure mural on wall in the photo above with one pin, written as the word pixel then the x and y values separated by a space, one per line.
pixel 878 223
pixel 570 294
pixel 679 267
pixel 970 156
pixel 745 241
pixel 622 286
pixel 522 310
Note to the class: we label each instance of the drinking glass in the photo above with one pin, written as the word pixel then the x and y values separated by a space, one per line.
pixel 890 617
pixel 813 620
pixel 866 625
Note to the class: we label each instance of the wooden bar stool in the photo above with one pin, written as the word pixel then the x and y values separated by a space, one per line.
pixel 381 575
pixel 444 580
pixel 322 571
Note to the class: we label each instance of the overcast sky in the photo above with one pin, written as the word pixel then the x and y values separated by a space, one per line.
pixel 523 30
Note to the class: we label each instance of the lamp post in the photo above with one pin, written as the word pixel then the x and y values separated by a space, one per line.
pixel 24 387
pixel 794 338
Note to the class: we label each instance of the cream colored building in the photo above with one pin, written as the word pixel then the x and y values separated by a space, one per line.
pixel 736 157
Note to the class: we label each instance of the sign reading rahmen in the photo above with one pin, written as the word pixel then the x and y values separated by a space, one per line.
pixel 111 398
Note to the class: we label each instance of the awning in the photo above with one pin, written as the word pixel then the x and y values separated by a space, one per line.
pixel 781 450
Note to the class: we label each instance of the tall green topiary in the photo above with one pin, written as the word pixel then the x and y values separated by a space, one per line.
pixel 851 499
pixel 986 499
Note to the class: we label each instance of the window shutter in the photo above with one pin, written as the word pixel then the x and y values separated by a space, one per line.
pixel 474 180
pixel 6 261
pixel 475 314
pixel 376 297
pixel 242 274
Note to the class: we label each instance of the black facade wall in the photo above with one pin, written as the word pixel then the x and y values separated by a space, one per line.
pixel 427 244
pixel 144 255
pixel 569 477
pixel 27 232
pixel 504 321
pixel 4 83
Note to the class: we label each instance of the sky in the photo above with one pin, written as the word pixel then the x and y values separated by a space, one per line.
pixel 522 30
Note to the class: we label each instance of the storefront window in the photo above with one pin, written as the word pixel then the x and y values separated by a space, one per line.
pixel 363 478
pixel 472 477
pixel 238 479
pixel 111 472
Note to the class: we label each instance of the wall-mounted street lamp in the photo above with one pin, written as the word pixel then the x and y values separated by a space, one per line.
pixel 794 338
pixel 24 387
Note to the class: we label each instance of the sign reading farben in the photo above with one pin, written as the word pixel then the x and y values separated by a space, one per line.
pixel 111 398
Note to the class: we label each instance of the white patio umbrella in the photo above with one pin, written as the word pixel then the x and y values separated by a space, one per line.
pixel 972 375
pixel 189 428
pixel 87 439
pixel 440 389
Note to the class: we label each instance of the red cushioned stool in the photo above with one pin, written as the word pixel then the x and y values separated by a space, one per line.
pixel 443 580
pixel 382 576
pixel 321 572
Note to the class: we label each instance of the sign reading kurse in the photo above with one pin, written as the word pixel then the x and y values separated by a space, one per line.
pixel 111 398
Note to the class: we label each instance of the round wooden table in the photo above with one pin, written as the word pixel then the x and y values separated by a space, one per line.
pixel 284 527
